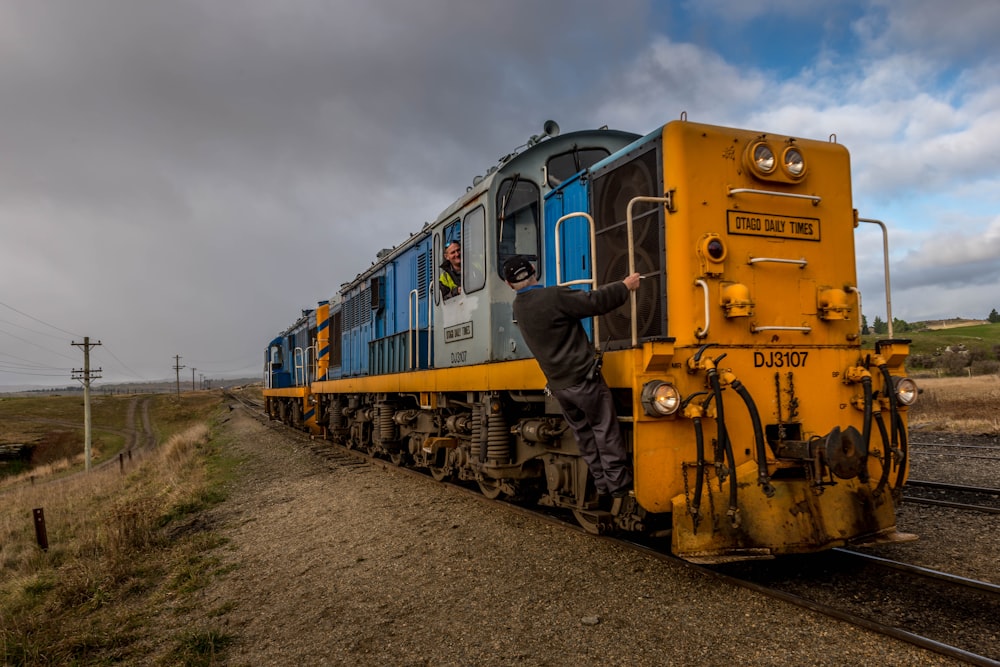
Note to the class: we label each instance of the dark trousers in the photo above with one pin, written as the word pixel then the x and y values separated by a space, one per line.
pixel 590 411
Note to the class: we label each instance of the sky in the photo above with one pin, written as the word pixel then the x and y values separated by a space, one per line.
pixel 178 180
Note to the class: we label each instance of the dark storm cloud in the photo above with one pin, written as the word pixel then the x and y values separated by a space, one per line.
pixel 183 175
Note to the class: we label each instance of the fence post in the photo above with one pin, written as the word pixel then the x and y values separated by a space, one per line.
pixel 40 535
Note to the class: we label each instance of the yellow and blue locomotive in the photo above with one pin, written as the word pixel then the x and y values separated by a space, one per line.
pixel 757 423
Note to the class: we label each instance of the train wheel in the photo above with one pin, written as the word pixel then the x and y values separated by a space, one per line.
pixel 491 488
pixel 399 457
pixel 440 474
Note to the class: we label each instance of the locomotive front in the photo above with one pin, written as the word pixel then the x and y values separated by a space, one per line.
pixel 759 421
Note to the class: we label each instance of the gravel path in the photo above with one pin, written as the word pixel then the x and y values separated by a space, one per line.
pixel 365 566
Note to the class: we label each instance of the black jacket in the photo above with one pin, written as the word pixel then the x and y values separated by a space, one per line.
pixel 549 320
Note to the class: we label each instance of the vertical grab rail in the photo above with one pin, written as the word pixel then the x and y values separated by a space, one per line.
pixel 885 261
pixel 631 254
pixel 430 327
pixel 312 363
pixel 412 314
pixel 704 331
pixel 592 281
pixel 298 366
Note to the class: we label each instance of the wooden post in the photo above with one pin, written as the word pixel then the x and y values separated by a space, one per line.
pixel 40 535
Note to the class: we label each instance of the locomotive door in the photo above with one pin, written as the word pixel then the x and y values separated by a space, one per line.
pixel 461 328
pixel 570 241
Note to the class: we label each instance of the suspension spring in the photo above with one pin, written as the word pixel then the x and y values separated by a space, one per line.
pixel 498 439
pixel 336 416
pixel 386 427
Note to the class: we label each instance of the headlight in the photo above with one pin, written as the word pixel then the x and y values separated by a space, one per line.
pixel 794 163
pixel 763 158
pixel 906 390
pixel 660 399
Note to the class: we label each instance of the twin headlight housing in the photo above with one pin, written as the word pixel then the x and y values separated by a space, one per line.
pixel 787 164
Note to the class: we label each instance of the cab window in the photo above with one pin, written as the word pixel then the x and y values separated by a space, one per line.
pixel 474 250
pixel 562 166
pixel 518 221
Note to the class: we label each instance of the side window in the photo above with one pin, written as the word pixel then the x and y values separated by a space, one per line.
pixel 450 251
pixel 275 356
pixel 474 250
pixel 518 221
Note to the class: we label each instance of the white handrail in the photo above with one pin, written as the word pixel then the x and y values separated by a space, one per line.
pixel 411 311
pixel 815 199
pixel 885 260
pixel 777 260
pixel 592 281
pixel 776 328
pixel 704 331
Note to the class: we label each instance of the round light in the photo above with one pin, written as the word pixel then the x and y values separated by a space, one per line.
pixel 660 399
pixel 795 164
pixel 715 249
pixel 906 390
pixel 763 158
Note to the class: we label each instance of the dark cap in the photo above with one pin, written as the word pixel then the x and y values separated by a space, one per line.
pixel 517 269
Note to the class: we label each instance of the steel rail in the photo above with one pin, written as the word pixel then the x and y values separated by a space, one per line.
pixel 946 486
pixel 860 621
pixel 948 444
pixel 958 488
pixel 917 500
pixel 925 572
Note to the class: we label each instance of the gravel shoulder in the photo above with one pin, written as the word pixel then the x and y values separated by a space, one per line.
pixel 328 565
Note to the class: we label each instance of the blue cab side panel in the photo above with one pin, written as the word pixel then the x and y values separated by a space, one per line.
pixel 574 234
pixel 572 196
pixel 390 350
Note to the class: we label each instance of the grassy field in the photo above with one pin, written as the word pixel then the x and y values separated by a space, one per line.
pixel 927 342
pixel 119 549
pixel 958 405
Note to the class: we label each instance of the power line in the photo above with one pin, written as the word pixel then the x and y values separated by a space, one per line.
pixel 32 317
pixel 123 364
pixel 34 331
pixel 30 342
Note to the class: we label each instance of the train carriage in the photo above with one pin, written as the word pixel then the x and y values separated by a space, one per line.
pixel 757 424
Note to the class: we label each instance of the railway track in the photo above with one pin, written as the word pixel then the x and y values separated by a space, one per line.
pixel 950 615
pixel 958 496
pixel 956 450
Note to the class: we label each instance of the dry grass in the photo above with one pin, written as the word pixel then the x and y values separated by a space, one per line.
pixel 115 542
pixel 958 405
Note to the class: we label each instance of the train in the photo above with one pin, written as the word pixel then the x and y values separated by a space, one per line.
pixel 757 422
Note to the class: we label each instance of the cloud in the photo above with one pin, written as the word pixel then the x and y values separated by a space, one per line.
pixel 183 178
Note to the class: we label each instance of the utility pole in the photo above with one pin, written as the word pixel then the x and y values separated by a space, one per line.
pixel 177 370
pixel 193 369
pixel 86 375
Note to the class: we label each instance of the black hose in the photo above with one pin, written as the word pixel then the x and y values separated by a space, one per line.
pixel 866 428
pixel 889 390
pixel 713 379
pixel 763 479
pixel 888 454
pixel 903 450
